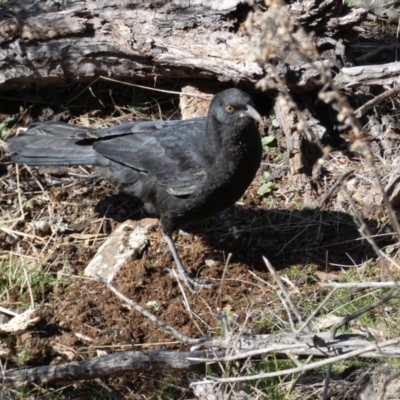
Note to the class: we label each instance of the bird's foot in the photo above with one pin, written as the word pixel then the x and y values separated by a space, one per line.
pixel 191 283
pixel 182 274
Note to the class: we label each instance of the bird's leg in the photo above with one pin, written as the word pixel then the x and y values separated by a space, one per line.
pixel 190 282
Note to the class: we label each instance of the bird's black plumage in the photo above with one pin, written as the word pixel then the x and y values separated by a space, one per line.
pixel 182 170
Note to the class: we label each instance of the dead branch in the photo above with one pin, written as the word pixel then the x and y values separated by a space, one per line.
pixel 363 310
pixel 360 285
pixel 103 366
pixel 377 100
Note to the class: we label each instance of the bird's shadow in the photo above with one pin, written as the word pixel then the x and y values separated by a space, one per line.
pixel 285 237
pixel 295 237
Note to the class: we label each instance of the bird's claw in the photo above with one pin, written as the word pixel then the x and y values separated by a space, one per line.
pixel 191 283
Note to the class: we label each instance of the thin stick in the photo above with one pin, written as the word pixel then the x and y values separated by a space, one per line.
pixel 397 37
pixel 377 100
pixel 21 218
pixel 36 180
pixel 289 314
pixel 314 313
pixel 29 288
pixel 361 311
pixel 371 54
pixel 8 312
pixel 100 226
pixel 51 237
pixel 282 287
pixel 201 96
pixel 332 189
pixel 222 280
pixel 18 233
pixel 327 380
pixel 316 345
pixel 83 90
pixel 185 300
pixel 360 285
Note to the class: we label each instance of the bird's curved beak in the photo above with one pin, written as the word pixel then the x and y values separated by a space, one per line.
pixel 251 112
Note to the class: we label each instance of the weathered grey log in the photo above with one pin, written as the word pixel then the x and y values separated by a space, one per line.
pixel 122 38
pixel 50 42
pixel 366 75
pixel 104 366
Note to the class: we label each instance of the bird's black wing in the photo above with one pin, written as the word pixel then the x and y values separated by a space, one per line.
pixel 175 154
pixel 52 144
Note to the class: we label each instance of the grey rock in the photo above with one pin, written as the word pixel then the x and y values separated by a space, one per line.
pixel 381 382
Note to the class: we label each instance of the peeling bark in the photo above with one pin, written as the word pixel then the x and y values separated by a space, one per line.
pixel 123 39
pixel 50 42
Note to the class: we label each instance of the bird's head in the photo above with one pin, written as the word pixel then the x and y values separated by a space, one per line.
pixel 233 107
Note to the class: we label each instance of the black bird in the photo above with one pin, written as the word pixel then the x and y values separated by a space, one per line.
pixel 182 171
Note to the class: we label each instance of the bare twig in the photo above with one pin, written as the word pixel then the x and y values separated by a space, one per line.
pixel 285 306
pixel 228 259
pixel 333 188
pixel 8 312
pixel 282 287
pixel 361 311
pixel 326 382
pixel 371 54
pixel 360 285
pixel 201 96
pixel 21 207
pixel 316 311
pixel 377 100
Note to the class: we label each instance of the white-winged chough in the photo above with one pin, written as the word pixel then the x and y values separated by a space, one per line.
pixel 182 171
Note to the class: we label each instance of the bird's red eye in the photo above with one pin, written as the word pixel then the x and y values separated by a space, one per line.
pixel 229 109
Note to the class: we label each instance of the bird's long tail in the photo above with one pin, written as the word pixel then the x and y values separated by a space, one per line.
pixel 55 143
